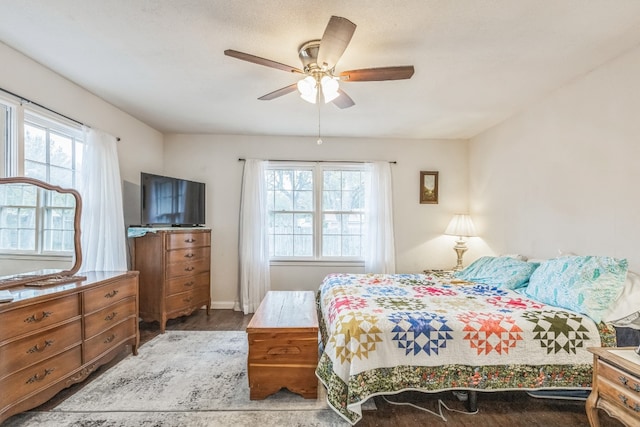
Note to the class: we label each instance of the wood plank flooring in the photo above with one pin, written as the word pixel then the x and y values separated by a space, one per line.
pixel 496 409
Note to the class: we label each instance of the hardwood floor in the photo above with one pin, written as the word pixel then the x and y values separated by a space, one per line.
pixel 499 409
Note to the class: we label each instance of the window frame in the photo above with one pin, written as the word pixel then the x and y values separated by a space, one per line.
pixel 13 164
pixel 318 169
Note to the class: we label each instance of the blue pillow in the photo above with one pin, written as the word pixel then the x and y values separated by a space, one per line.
pixel 503 272
pixel 586 284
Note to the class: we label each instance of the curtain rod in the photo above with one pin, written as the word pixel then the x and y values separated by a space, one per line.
pixel 393 162
pixel 23 99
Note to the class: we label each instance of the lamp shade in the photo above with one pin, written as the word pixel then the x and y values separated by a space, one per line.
pixel 461 225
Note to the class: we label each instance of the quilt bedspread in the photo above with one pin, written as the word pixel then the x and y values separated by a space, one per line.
pixel 386 333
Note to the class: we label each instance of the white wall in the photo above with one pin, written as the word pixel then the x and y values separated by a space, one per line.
pixel 140 146
pixel 420 243
pixel 563 174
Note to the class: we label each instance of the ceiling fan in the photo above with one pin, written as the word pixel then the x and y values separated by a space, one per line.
pixel 319 58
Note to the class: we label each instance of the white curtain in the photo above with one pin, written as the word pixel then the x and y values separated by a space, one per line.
pixel 254 241
pixel 102 223
pixel 379 239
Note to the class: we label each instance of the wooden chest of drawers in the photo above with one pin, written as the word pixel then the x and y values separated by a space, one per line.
pixel 616 385
pixel 283 345
pixel 175 269
pixel 53 337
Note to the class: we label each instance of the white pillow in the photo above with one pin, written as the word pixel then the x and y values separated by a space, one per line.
pixel 625 310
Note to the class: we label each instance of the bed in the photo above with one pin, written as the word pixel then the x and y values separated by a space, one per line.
pixel 387 333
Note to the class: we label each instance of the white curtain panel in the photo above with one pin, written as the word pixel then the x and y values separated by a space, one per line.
pixel 102 223
pixel 379 239
pixel 255 281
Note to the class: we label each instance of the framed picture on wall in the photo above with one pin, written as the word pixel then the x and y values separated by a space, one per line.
pixel 428 187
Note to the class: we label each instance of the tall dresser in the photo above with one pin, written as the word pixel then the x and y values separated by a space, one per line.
pixel 175 269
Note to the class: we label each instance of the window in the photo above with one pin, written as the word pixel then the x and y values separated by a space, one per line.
pixel 316 212
pixel 38 222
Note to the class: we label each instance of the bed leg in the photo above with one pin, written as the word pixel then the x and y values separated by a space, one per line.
pixel 472 401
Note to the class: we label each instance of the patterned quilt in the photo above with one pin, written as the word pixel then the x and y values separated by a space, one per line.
pixel 387 333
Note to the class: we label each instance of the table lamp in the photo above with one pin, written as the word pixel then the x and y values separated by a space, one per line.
pixel 461 226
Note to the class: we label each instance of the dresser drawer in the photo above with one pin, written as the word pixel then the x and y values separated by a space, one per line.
pixel 38 316
pixel 187 283
pixel 188 240
pixel 39 376
pixel 283 348
pixel 39 346
pixel 190 255
pixel 109 339
pixel 107 317
pixel 619 377
pixel 96 299
pixel 187 300
pixel 188 268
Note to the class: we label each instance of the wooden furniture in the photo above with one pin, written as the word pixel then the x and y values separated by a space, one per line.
pixel 175 269
pixel 283 345
pixel 616 385
pixel 54 336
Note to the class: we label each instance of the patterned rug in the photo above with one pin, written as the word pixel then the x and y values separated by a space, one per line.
pixel 189 378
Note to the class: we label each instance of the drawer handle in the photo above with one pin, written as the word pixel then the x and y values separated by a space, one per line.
pixel 188 284
pixel 187 299
pixel 190 240
pixel 190 268
pixel 34 319
pixel 111 294
pixel 111 316
pixel 110 338
pixel 623 380
pixel 189 255
pixel 37 378
pixel 37 349
pixel 624 399
pixel 284 350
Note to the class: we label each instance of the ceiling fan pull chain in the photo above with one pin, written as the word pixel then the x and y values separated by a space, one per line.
pixel 319 141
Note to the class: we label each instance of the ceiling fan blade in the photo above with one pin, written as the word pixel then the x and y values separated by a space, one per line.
pixel 378 74
pixel 262 61
pixel 343 100
pixel 280 92
pixel 334 41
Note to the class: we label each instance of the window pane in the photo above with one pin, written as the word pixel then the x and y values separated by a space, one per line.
pixel 35 143
pixel 303 223
pixel 303 245
pixel 283 223
pixel 61 148
pixel 330 246
pixel 35 170
pixel 331 180
pixel 283 245
pixel 331 200
pixel 303 200
pixel 351 246
pixel 303 180
pixel 283 200
pixel 61 177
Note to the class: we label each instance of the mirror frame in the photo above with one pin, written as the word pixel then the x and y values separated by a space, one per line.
pixel 6 282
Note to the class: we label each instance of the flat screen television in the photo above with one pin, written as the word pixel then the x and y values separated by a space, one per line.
pixel 167 201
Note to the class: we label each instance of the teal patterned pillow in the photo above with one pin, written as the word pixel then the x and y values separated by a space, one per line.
pixel 586 284
pixel 503 272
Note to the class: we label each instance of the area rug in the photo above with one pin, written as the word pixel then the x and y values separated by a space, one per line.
pixel 186 378
pixel 183 371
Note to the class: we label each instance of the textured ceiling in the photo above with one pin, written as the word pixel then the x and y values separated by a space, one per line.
pixel 477 62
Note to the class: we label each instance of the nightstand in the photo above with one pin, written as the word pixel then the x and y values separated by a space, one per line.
pixel 616 385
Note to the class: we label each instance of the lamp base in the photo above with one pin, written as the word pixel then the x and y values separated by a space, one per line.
pixel 460 248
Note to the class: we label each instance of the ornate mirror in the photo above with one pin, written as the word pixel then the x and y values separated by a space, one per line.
pixel 39 232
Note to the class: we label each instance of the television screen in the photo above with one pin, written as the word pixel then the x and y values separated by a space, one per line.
pixel 171 201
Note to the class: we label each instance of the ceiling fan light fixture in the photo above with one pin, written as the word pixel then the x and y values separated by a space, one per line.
pixel 308 90
pixel 330 88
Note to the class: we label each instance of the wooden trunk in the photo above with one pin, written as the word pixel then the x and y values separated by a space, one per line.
pixel 283 345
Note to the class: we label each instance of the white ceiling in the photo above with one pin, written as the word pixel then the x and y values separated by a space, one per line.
pixel 477 62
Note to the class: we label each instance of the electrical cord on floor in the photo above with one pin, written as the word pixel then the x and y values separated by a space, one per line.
pixel 441 405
